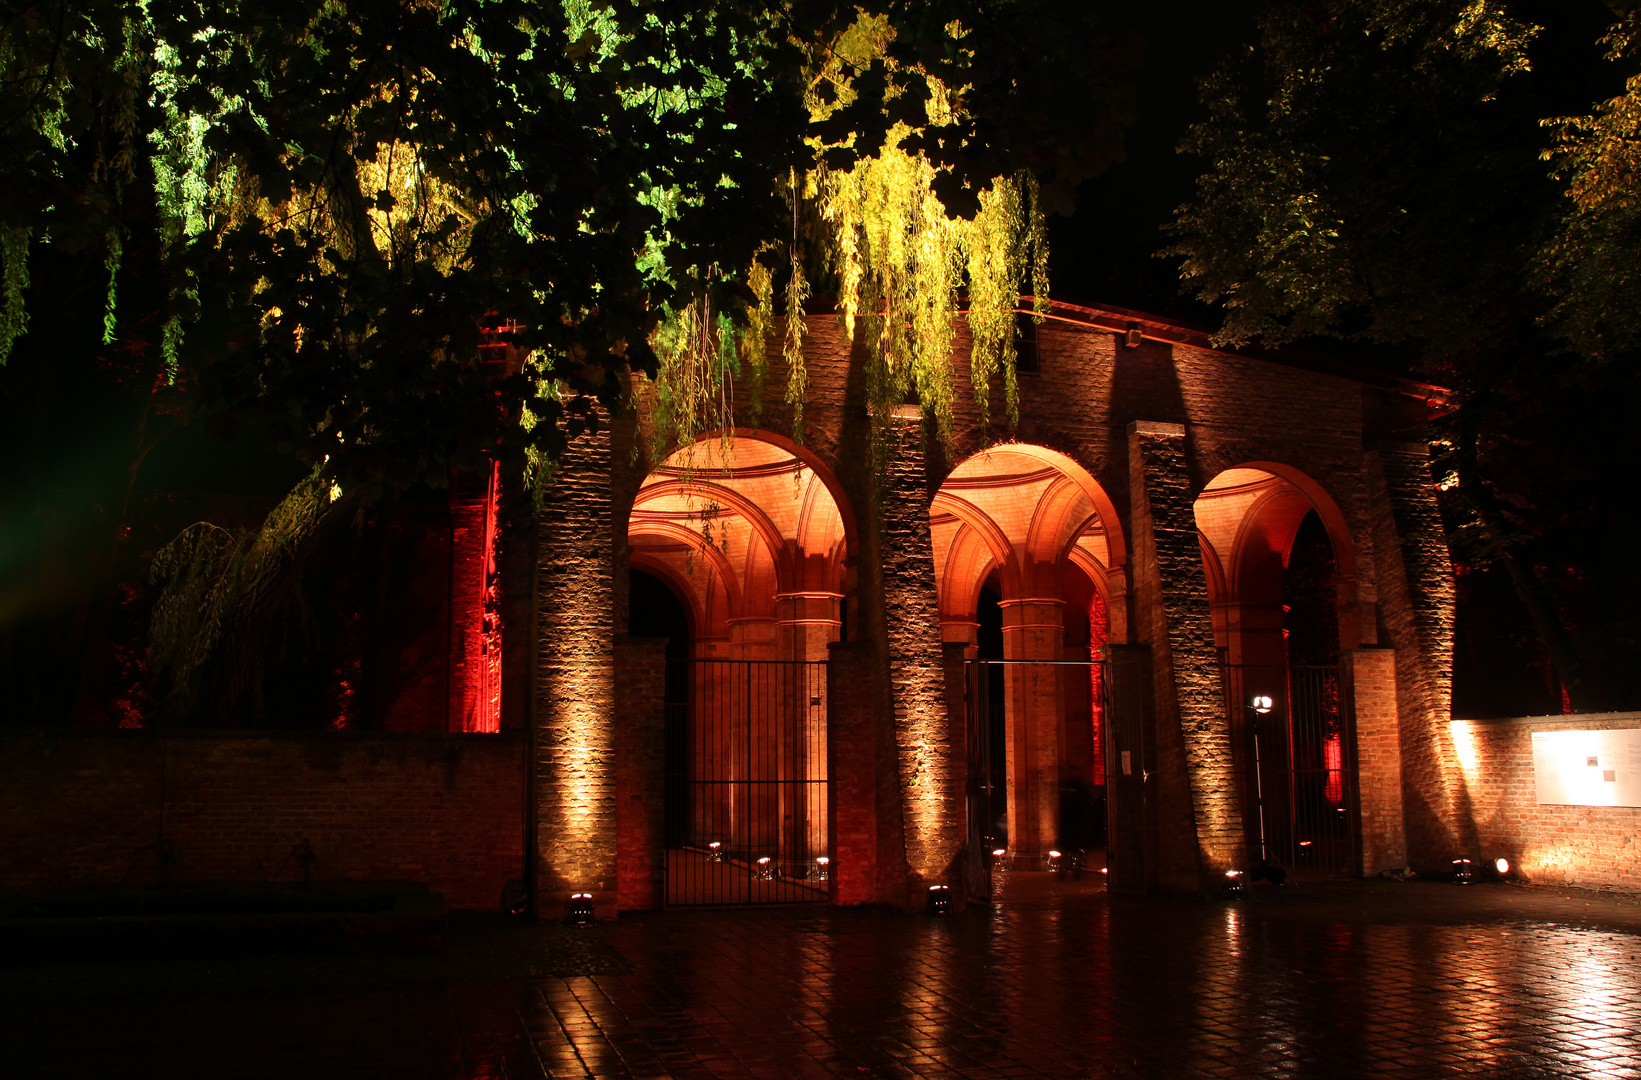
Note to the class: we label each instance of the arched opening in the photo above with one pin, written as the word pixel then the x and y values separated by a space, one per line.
pixel 1280 569
pixel 1030 561
pixel 746 530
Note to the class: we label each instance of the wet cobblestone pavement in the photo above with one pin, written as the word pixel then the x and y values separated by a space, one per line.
pixel 1324 980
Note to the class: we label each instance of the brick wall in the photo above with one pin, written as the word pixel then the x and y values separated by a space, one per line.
pixel 640 767
pixel 1571 845
pixel 1196 773
pixel 447 810
pixel 1371 682
pixel 574 787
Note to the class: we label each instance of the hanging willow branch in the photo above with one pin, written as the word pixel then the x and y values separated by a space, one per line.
pixel 901 265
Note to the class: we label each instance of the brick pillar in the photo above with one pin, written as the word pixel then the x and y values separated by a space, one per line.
pixel 931 771
pixel 640 769
pixel 573 782
pixel 1199 818
pixel 1370 681
pixel 1416 597
pixel 1033 630
pixel 867 863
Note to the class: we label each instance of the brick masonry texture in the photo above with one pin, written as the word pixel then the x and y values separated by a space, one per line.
pixel 446 810
pixel 898 770
pixel 574 749
pixel 1416 599
pixel 640 750
pixel 1180 631
pixel 932 764
pixel 1371 682
pixel 1564 845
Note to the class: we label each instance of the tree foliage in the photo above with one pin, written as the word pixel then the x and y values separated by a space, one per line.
pixel 1589 267
pixel 355 205
pixel 1374 174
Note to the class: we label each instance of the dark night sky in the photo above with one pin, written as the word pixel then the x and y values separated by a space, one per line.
pixel 1105 252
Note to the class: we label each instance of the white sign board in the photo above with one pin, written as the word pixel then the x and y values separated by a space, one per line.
pixel 1588 768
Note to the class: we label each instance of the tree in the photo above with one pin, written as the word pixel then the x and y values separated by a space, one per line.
pixel 1374 176
pixel 344 201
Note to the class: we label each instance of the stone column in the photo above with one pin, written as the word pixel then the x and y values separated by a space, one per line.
pixel 1199 817
pixel 1033 630
pixel 931 767
pixel 573 787
pixel 640 767
pixel 1416 598
pixel 1370 682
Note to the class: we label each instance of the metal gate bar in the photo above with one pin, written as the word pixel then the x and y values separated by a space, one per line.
pixel 986 791
pixel 747 792
pixel 1306 760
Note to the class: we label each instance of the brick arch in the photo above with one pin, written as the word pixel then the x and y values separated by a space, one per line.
pixel 1247 517
pixel 817 465
pixel 683 588
pixel 715 559
pixel 1084 479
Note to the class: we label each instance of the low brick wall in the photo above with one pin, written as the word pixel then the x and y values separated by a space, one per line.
pixel 1571 845
pixel 447 810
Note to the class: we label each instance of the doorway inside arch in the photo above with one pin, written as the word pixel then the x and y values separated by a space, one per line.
pixel 1277 592
pixel 745 535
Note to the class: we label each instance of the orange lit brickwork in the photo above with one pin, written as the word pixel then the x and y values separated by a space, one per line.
pixel 1068 489
pixel 640 748
pixel 1564 845
pixel 446 810
pixel 1370 681
pixel 868 860
pixel 1172 598
pixel 1416 594
pixel 574 747
pixel 932 762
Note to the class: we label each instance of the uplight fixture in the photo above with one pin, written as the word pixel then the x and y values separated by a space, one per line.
pixel 940 900
pixel 580 910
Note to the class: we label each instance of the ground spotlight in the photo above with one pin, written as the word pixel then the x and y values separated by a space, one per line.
pixel 715 852
pixel 940 900
pixel 823 869
pixel 766 869
pixel 580 911
pixel 1234 889
pixel 1463 872
pixel 1057 862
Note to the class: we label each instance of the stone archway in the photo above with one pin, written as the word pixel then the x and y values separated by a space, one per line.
pixel 1267 530
pixel 1037 524
pixel 747 527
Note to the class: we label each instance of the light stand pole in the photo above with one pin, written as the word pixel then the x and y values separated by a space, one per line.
pixel 1259 706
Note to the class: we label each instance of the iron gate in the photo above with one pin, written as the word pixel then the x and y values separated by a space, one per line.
pixel 1305 758
pixel 1118 689
pixel 747 792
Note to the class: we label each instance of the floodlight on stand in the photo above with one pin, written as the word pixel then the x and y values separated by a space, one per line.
pixel 1463 872
pixel 580 910
pixel 1234 888
pixel 715 852
pixel 1261 704
pixel 940 900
